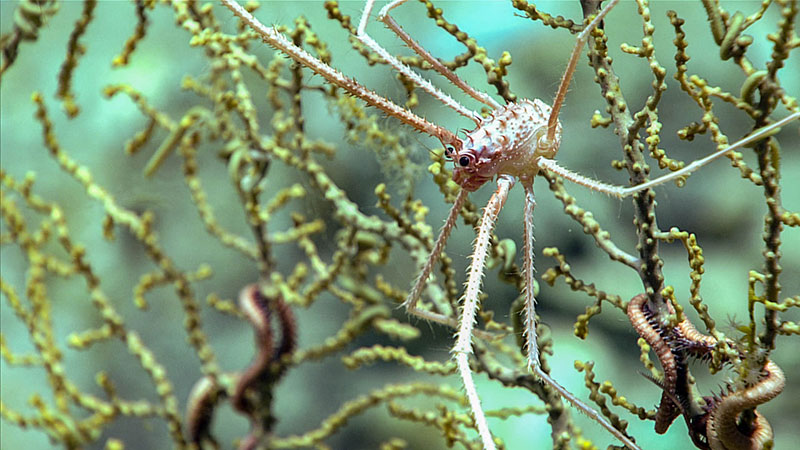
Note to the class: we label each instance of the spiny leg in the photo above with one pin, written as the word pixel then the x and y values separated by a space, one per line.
pixel 530 201
pixel 415 293
pixel 570 70
pixel 584 408
pixel 384 17
pixel 361 35
pixel 271 36
pixel 528 270
pixel 622 192
pixel 530 324
pixel 419 285
pixel 463 346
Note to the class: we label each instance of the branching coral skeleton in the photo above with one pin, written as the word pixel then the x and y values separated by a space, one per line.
pixel 514 142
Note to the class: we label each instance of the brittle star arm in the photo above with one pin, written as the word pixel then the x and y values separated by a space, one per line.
pixel 722 426
pixel 641 321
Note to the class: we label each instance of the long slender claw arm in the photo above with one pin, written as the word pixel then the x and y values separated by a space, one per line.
pixel 387 19
pixel 528 269
pixel 438 247
pixel 463 347
pixel 272 37
pixel 622 192
pixel 584 408
pixel 561 94
pixel 361 35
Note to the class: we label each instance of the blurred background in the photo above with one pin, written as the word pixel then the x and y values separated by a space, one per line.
pixel 724 211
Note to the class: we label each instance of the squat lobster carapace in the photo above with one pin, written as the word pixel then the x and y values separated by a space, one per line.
pixel 513 143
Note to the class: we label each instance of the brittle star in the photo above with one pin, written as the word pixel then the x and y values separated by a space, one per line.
pixel 716 425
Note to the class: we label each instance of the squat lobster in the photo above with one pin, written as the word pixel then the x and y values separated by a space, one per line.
pixel 514 142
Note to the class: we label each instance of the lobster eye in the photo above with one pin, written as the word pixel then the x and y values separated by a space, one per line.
pixel 463 161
